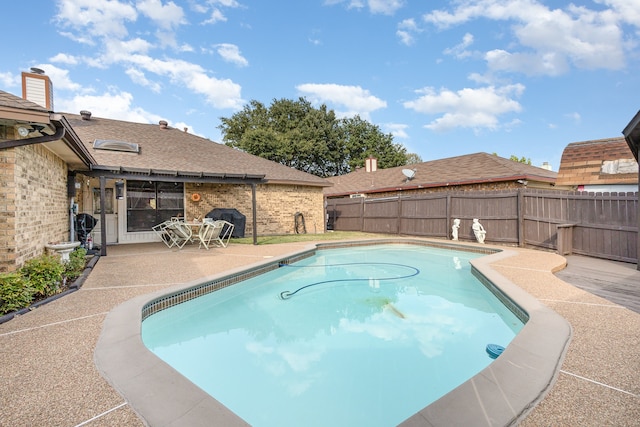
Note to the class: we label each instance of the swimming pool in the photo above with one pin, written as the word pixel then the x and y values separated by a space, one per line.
pixel 501 394
pixel 364 335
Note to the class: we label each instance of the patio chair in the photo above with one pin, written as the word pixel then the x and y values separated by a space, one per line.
pixel 179 233
pixel 161 231
pixel 216 232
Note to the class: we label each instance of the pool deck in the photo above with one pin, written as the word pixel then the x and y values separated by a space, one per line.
pixel 49 376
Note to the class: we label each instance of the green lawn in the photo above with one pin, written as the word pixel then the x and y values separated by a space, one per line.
pixel 292 238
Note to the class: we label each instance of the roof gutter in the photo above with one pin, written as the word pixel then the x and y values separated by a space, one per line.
pixel 63 132
pixel 59 134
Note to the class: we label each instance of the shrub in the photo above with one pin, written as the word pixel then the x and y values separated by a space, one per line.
pixel 15 292
pixel 39 278
pixel 73 269
pixel 44 274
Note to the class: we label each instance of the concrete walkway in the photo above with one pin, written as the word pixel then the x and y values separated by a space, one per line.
pixel 48 374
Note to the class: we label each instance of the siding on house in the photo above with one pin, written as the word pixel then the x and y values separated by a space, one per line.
pixel 599 163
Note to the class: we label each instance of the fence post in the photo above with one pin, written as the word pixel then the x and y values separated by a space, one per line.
pixel 520 208
pixel 448 215
pixel 399 214
pixel 564 235
pixel 362 214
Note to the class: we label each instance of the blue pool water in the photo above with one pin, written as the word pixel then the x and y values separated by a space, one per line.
pixel 375 334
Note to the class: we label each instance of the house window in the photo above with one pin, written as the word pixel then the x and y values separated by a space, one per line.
pixel 108 201
pixel 150 203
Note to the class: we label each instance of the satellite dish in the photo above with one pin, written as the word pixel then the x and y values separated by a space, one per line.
pixel 409 173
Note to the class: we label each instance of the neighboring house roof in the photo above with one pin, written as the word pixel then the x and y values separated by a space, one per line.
pixel 469 169
pixel 163 148
pixel 598 162
pixel 47 128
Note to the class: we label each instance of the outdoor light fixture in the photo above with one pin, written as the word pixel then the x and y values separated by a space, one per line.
pixel 119 190
pixel 24 131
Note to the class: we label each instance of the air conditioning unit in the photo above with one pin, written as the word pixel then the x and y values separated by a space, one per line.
pixel 357 196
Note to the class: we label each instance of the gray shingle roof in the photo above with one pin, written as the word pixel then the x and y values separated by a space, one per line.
pixel 176 150
pixel 468 169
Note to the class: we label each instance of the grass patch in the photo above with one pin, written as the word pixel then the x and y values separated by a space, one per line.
pixel 294 238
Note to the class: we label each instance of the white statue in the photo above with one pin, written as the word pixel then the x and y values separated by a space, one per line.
pixel 478 230
pixel 454 229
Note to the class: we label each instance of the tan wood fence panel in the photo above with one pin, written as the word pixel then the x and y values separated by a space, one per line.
pixel 603 225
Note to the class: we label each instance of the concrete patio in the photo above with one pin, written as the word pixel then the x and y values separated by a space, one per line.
pixel 49 376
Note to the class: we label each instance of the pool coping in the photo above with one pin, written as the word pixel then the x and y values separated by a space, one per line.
pixel 501 394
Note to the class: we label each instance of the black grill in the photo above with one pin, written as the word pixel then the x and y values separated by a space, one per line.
pixel 230 215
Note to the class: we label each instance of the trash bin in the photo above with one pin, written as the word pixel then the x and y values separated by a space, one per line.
pixel 230 215
pixel 85 223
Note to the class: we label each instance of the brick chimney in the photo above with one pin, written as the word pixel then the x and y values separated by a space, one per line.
pixel 37 88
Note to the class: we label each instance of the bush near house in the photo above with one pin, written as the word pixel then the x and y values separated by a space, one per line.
pixel 39 278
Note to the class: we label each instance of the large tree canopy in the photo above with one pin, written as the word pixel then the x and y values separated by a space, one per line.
pixel 313 140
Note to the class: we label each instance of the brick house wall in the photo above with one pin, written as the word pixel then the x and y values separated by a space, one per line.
pixel 276 205
pixel 34 204
pixel 7 210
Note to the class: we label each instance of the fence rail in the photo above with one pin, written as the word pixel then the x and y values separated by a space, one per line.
pixel 603 225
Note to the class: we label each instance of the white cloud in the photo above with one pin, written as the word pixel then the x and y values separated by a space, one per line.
pixel 216 16
pixel 550 64
pixel 549 41
pixel 406 30
pixel 231 53
pixel 111 105
pixel 354 98
pixel 467 108
pixel 574 116
pixel 63 58
pixel 166 16
pixel 226 3
pixel 106 20
pixel 100 19
pixel 10 80
pixel 460 50
pixel 60 78
pixel 138 77
pixel 384 7
pixel 220 93
pixel 398 130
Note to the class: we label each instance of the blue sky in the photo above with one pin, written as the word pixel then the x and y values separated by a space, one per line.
pixel 446 78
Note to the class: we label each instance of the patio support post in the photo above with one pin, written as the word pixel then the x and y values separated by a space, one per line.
pixel 255 213
pixel 103 217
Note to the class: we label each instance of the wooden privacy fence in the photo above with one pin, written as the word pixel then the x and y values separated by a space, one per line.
pixel 603 225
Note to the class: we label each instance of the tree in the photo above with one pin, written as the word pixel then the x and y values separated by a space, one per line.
pixel 413 158
pixel 515 158
pixel 522 159
pixel 313 140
